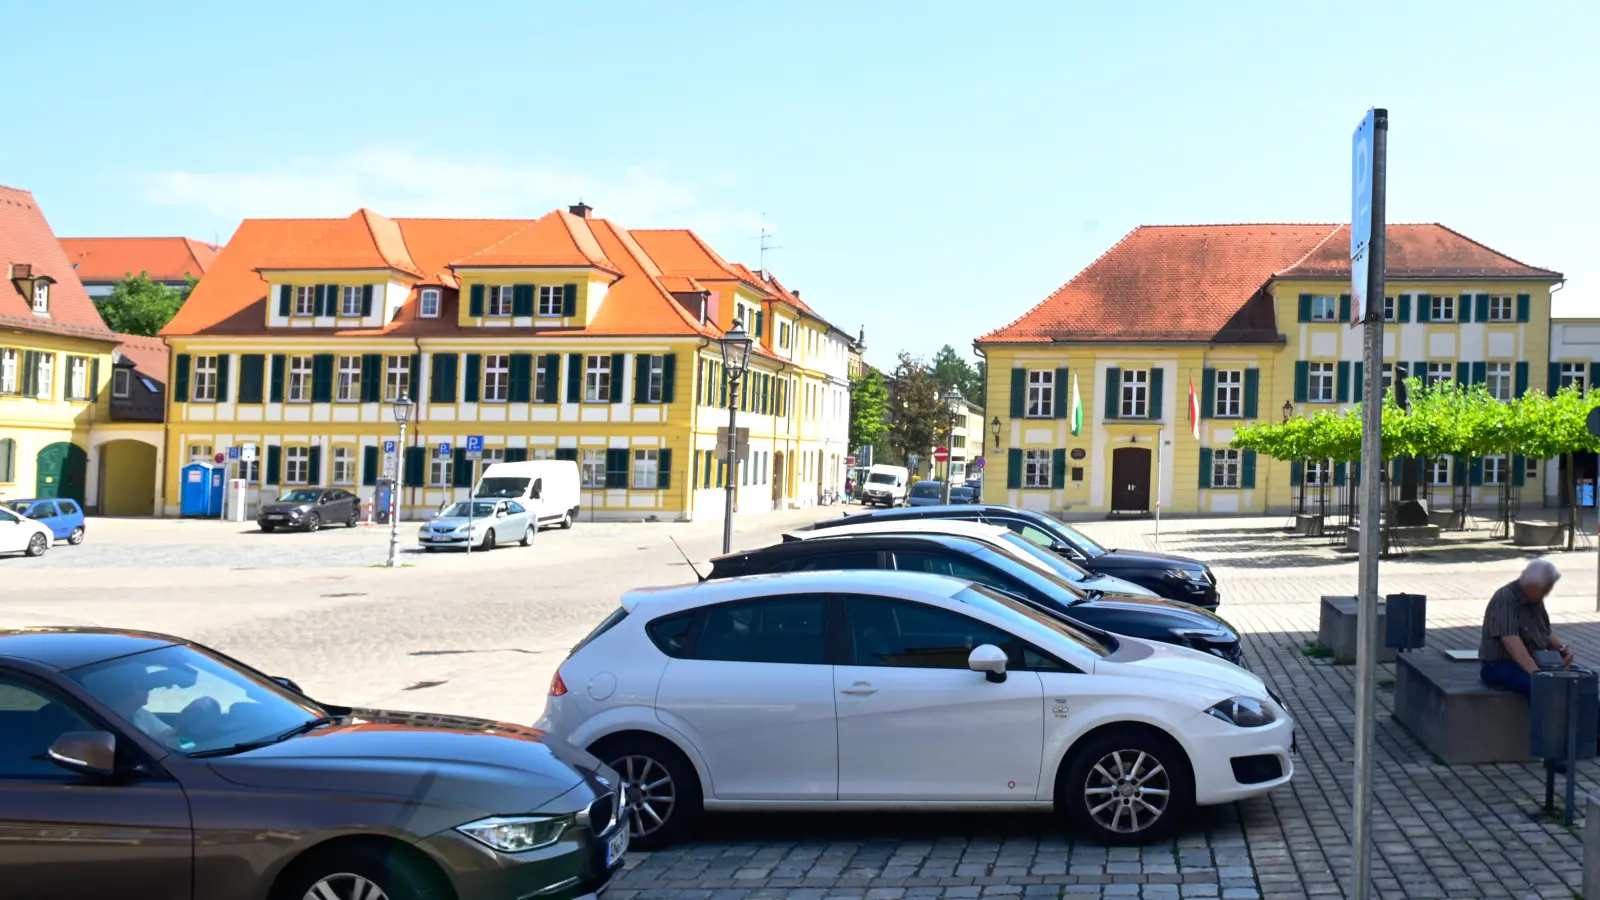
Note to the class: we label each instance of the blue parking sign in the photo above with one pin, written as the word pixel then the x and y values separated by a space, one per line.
pixel 389 446
pixel 233 452
pixel 443 450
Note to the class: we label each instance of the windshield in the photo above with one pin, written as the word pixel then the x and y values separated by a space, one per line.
pixel 191 701
pixel 927 489
pixel 8 515
pixel 1044 559
pixel 880 478
pixel 1058 591
pixel 20 507
pixel 961 493
pixel 300 497
pixel 1028 618
pixel 463 510
pixel 502 487
pixel 1087 546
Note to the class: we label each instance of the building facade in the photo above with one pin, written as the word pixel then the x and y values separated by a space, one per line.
pixel 1093 385
pixel 562 337
pixel 102 262
pixel 1574 361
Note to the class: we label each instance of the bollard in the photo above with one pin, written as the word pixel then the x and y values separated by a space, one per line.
pixel 1591 847
pixel 1406 621
pixel 1562 726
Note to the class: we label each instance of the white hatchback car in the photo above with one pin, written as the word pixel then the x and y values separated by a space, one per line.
pixel 19 534
pixel 896 690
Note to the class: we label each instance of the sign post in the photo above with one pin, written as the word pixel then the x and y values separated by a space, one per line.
pixel 473 454
pixel 1367 246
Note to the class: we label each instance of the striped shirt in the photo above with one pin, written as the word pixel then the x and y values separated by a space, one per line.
pixel 1511 615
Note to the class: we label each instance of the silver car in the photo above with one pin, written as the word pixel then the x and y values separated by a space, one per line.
pixel 482 523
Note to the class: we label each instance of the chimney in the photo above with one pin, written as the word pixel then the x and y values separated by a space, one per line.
pixel 796 294
pixel 580 209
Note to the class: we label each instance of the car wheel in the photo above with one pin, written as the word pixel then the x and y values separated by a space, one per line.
pixel 488 540
pixel 37 545
pixel 663 796
pixel 313 522
pixel 355 518
pixel 1127 786
pixel 76 537
pixel 527 536
pixel 267 529
pixel 566 520
pixel 429 549
pixel 359 872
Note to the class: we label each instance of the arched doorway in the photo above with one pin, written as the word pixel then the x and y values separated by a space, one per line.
pixel 1130 479
pixel 127 473
pixel 62 471
pixel 777 479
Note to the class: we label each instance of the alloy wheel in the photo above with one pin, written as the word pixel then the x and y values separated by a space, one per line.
pixel 345 886
pixel 313 522
pixel 1127 791
pixel 77 535
pixel 650 792
pixel 36 545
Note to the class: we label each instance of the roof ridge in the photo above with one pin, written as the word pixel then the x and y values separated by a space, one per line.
pixel 1478 243
pixel 1047 297
pixel 1318 246
pixel 631 247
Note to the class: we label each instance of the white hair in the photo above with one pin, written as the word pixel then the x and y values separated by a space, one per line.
pixel 1540 573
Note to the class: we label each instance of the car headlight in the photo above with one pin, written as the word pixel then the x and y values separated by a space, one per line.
pixel 516 834
pixel 1195 575
pixel 1243 712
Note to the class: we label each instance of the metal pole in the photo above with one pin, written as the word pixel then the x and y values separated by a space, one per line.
pixel 949 459
pixel 1371 509
pixel 394 498
pixel 733 449
pixel 469 510
pixel 1159 433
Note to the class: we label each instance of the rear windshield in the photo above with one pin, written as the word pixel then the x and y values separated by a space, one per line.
pixel 927 489
pixel 961 493
pixel 880 478
pixel 502 487
pixel 1029 618
pixel 605 625
pixel 1040 558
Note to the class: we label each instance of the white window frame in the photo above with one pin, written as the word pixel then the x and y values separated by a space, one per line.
pixel 1035 469
pixel 591 462
pixel 10 363
pixel 597 377
pixel 1317 472
pixel 428 306
pixel 783 335
pixel 541 378
pixel 297 456
pixel 1438 373
pixel 552 301
pixel 205 380
pixel 199 453
pixel 350 301
pixel 1530 468
pixel 1324 308
pixel 1228 402
pixel 121 383
pixel 78 377
pixel 440 474
pixel 249 470
pixel 655 377
pixel 397 377
pixel 45 369
pixel 1225 468
pixel 1041 393
pixel 646 469
pixel 1439 471
pixel 1495 470
pixel 41 296
pixel 1389 309
pixel 1135 394
pixel 1499 378
pixel 1324 375
pixel 499 301
pixel 349 389
pixel 538 453
pixel 305 301
pixel 1502 308
pixel 496 378
pixel 1574 373
pixel 1442 308
pixel 344 466
pixel 298 390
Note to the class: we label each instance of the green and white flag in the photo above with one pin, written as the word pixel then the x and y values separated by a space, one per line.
pixel 1077 406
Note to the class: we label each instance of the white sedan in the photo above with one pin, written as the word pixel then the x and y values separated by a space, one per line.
pixel 19 534
pixel 895 690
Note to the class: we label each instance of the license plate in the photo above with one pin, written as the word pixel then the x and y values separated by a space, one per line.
pixel 617 845
pixel 274 517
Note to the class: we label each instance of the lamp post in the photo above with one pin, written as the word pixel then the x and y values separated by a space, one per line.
pixel 955 406
pixel 994 428
pixel 1288 410
pixel 735 358
pixel 402 415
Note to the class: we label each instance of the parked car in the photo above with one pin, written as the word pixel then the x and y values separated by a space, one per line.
pixel 884 486
pixel 482 523
pixel 1152 618
pixel 547 488
pixel 1173 577
pixel 963 494
pixel 310 509
pixel 63 517
pixel 925 493
pixel 859 690
pixel 20 534
pixel 125 751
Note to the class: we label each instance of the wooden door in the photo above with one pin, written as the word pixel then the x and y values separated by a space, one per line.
pixel 61 469
pixel 1130 479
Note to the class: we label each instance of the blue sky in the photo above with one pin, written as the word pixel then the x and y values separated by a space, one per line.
pixel 930 171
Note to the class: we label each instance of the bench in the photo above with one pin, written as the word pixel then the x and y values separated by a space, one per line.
pixel 1458 718
pixel 1338 630
pixel 1538 534
pixel 1405 535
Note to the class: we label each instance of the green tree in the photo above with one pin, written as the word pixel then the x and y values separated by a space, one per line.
pixel 137 305
pixel 917 417
pixel 869 411
pixel 951 369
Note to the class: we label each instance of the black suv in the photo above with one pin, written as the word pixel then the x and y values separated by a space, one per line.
pixel 1173 577
pixel 1151 618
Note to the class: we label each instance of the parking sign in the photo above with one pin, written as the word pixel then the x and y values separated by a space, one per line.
pixel 443 450
pixel 233 454
pixel 474 446
pixel 389 446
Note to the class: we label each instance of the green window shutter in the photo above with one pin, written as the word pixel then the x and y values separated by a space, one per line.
pixel 569 300
pixel 570 454
pixel 1480 373
pixel 30 367
pixel 1594 372
pixel 761 317
pixel 319 296
pixel 521 378
pixel 414 384
pixel 1019 393
pixel 471 383
pixel 1554 379
pixel 1476 479
pixel 285 300
pixel 641 377
pixel 224 382
pixel 1247 469
pixel 1522 378
pixel 416 466
pixel 1404 313
pixel 1344 307
pixel 1208 393
pixel 475 303
pixel 274 473
pixel 522 300
pixel 1060 393
pixel 276 394
pixel 180 387
pixel 1483 307
pixel 1305 307
pixel 1205 467
pixel 616 468
pixel 371 377
pixel 1014 469
pixel 1464 308
pixel 369 465
pixel 669 378
pixel 516 454
pixel 313 465
pixel 1358 384
pixel 1458 471
pixel 618 366
pixel 1295 468
pixel 1252 393
pixel 1113 407
pixel 322 378
pixel 1463 373
pixel 552 378
pixel 1519 469
pixel 1157 376
pixel 1342 381
pixel 722 401
pixel 574 377
pixel 1058 468
pixel 664 470
pixel 1424 307
pixel 94 378
pixel 366 300
pixel 1523 312
pixel 461 469
pixel 1302 381
pixel 442 378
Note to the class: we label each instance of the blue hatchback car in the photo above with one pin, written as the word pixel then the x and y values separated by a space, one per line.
pixel 64 518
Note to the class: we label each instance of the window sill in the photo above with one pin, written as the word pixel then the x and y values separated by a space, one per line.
pixel 1233 488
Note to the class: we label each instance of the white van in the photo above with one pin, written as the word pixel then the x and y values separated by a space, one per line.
pixel 547 487
pixel 885 486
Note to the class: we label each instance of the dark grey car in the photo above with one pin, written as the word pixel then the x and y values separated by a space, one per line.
pixel 310 509
pixel 171 771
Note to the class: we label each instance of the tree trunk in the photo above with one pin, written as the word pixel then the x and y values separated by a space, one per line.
pixel 1572 497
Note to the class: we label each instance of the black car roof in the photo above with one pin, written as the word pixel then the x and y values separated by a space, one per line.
pixel 831 544
pixel 68 648
pixel 952 511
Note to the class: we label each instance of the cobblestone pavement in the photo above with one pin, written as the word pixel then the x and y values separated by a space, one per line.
pixel 481 637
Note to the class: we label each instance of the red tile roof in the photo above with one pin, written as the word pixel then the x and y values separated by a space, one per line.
pixel 25 237
pixel 163 258
pixel 557 239
pixel 1209 282
pixel 148 355
pixel 365 240
pixel 679 251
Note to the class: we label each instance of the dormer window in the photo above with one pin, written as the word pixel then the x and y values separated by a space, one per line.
pixel 41 297
pixel 500 297
pixel 305 300
pixel 430 303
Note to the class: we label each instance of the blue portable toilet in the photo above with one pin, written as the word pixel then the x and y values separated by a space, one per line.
pixel 202 490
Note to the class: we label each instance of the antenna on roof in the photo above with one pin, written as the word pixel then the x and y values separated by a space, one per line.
pixel 764 237
pixel 686 558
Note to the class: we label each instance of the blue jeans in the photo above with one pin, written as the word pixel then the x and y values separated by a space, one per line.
pixel 1507 676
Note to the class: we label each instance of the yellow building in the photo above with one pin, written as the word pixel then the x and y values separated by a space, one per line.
pixel 1253 320
pixel 55 365
pixel 564 337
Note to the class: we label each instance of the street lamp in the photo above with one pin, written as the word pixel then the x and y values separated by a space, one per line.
pixel 402 415
pixel 1288 410
pixel 956 406
pixel 735 359
pixel 994 427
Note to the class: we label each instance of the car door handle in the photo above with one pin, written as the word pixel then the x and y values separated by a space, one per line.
pixel 859 689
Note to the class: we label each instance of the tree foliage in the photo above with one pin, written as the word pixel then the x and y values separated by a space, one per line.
pixel 952 370
pixel 137 305
pixel 869 410
pixel 917 417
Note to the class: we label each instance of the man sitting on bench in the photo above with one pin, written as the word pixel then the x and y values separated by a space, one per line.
pixel 1517 640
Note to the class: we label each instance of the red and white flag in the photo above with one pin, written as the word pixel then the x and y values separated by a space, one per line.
pixel 1194 411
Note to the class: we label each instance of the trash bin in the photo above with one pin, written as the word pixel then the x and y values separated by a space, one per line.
pixel 1551 706
pixel 1406 618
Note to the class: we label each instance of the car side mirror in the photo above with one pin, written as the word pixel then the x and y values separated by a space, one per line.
pixel 990 660
pixel 1061 549
pixel 286 683
pixel 86 752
